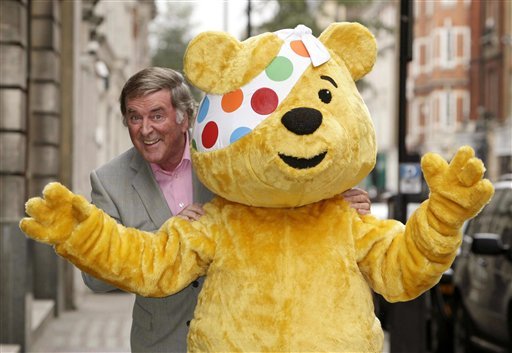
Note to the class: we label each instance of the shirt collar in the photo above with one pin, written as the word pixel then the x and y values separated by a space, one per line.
pixel 186 157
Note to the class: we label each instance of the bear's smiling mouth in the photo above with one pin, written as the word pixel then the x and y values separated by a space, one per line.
pixel 302 163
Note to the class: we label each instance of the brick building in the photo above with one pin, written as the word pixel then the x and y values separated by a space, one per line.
pixel 459 80
pixel 490 82
pixel 62 65
pixel 438 83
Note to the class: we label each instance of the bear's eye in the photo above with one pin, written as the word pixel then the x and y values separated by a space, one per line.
pixel 325 95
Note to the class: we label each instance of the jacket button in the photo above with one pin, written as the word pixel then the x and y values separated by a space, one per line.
pixel 195 284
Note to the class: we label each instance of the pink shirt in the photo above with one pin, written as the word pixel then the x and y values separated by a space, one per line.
pixel 176 185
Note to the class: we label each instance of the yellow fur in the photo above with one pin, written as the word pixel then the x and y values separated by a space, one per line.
pixel 250 171
pixel 359 50
pixel 218 63
pixel 289 265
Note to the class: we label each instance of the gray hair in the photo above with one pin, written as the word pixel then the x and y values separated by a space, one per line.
pixel 153 79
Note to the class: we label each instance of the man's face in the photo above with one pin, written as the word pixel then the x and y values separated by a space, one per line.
pixel 153 129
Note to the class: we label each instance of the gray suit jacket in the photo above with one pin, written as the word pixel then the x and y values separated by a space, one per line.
pixel 126 189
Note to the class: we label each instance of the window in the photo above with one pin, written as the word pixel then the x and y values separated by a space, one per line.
pixel 450 55
pixel 503 224
pixel 429 8
pixel 418 7
pixel 449 114
pixel 459 42
pixel 424 112
pixel 463 45
pixel 448 3
pixel 454 108
pixel 435 113
pixel 447 45
pixel 483 222
pixel 436 35
pixel 421 56
pixel 463 106
pixel 496 217
pixel 452 45
pixel 461 114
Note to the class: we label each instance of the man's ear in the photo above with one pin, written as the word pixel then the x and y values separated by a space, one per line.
pixel 218 63
pixel 354 44
pixel 185 120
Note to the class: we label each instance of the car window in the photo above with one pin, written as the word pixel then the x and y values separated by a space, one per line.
pixel 482 223
pixel 503 223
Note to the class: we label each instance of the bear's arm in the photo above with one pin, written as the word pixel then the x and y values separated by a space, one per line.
pixel 401 262
pixel 150 264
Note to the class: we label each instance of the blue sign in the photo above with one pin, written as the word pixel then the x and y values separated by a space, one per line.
pixel 410 178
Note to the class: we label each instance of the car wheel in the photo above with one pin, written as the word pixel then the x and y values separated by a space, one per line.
pixel 462 330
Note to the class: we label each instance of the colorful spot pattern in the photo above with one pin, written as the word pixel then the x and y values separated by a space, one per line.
pixel 224 119
pixel 239 133
pixel 280 69
pixel 264 101
pixel 210 134
pixel 203 110
pixel 299 48
pixel 232 101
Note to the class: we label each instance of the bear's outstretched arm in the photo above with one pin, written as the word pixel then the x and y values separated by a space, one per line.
pixel 402 262
pixel 148 264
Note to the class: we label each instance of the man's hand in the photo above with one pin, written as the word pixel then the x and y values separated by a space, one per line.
pixel 358 199
pixel 192 212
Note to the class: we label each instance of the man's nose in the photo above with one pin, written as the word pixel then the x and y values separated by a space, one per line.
pixel 147 126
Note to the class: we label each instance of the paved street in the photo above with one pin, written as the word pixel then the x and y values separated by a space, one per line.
pixel 101 324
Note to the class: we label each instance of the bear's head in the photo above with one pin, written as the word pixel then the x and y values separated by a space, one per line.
pixel 282 124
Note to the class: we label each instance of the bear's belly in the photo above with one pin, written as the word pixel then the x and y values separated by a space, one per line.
pixel 285 289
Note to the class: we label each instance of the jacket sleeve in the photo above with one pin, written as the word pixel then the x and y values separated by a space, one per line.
pixel 401 262
pixel 100 198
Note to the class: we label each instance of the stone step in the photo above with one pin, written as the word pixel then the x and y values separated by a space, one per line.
pixel 42 313
pixel 10 348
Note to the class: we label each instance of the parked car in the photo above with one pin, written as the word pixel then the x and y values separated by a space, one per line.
pixel 482 305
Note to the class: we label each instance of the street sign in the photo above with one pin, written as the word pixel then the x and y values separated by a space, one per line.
pixel 410 178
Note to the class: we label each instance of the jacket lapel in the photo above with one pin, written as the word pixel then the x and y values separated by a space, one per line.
pixel 149 192
pixel 201 193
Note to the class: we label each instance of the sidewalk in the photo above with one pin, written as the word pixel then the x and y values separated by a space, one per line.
pixel 101 324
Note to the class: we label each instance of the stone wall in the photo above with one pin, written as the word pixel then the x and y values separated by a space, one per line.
pixel 49 88
pixel 14 56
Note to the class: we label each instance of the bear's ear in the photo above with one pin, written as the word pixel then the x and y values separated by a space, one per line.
pixel 354 44
pixel 217 63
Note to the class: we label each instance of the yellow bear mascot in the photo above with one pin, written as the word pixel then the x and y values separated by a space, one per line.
pixel 289 265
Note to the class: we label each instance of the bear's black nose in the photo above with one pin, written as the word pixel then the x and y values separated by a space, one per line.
pixel 302 121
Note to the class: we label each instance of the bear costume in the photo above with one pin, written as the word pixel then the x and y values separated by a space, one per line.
pixel 289 266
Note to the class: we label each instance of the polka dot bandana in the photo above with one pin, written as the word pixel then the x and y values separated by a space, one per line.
pixel 224 119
